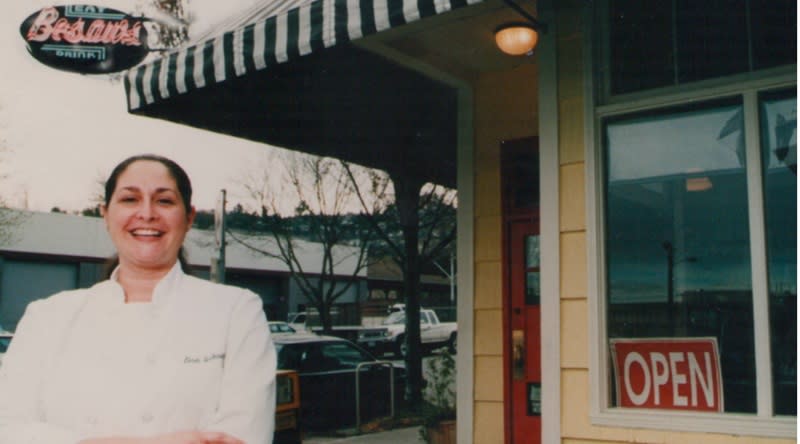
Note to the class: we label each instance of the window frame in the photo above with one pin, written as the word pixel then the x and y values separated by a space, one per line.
pixel 599 106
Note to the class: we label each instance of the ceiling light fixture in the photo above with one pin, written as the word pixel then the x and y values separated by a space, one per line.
pixel 516 38
pixel 519 38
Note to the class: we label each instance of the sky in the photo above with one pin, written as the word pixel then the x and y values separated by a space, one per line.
pixel 64 132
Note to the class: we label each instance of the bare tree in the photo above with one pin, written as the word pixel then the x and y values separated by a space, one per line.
pixel 172 27
pixel 97 198
pixel 320 193
pixel 8 218
pixel 167 25
pixel 416 229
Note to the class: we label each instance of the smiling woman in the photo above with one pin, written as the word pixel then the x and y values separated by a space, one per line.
pixel 148 212
pixel 151 355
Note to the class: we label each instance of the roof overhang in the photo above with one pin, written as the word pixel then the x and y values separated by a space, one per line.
pixel 295 80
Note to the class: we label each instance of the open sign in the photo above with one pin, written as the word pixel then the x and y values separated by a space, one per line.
pixel 668 373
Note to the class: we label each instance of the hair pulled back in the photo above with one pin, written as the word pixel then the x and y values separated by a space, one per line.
pixel 175 171
pixel 182 182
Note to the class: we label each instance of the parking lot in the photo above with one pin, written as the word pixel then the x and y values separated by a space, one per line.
pixel 343 389
pixel 399 435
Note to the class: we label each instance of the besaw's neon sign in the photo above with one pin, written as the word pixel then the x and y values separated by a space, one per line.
pixel 85 38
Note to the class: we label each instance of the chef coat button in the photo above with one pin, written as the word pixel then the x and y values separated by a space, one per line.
pixel 151 358
pixel 147 417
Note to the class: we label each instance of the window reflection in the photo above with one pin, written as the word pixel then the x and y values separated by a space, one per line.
pixel 532 270
pixel 532 288
pixel 531 251
pixel 677 240
pixel 779 154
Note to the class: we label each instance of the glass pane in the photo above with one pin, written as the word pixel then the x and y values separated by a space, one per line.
pixel 677 239
pixel 779 145
pixel 531 251
pixel 532 288
pixel 520 175
pixel 640 44
pixel 648 40
pixel 4 343
pixel 774 28
pixel 712 38
pixel 343 355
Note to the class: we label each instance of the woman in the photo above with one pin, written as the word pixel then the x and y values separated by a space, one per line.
pixel 150 356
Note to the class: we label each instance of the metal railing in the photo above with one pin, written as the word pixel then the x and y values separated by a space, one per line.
pixel 358 388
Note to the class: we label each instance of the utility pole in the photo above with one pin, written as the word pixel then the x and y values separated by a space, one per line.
pixel 670 285
pixel 671 262
pixel 217 273
pixel 451 276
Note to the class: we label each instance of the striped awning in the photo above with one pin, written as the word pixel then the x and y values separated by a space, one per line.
pixel 277 39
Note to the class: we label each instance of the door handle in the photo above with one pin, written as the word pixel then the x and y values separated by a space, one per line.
pixel 518 354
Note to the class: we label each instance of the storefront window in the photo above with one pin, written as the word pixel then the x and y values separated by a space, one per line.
pixel 657 43
pixel 677 236
pixel 779 149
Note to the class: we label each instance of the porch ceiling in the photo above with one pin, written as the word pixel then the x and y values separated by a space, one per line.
pixel 460 43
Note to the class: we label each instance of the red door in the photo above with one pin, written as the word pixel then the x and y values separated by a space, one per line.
pixel 522 324
pixel 525 369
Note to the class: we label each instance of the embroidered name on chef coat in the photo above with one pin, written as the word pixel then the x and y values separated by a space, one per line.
pixel 204 359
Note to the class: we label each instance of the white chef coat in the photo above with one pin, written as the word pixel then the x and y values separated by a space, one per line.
pixel 84 363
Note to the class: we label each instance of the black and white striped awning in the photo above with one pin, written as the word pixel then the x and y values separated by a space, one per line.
pixel 277 39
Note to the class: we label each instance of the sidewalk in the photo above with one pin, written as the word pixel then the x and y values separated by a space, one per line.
pixel 405 435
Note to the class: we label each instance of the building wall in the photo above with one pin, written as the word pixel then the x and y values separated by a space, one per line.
pixel 576 427
pixel 505 109
pixel 51 252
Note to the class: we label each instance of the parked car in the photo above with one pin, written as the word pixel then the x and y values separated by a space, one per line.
pixel 391 335
pixel 326 366
pixel 5 341
pixel 279 328
pixel 287 408
pixel 298 321
pixel 395 308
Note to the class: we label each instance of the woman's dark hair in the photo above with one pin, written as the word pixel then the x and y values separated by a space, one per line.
pixel 181 178
pixel 181 181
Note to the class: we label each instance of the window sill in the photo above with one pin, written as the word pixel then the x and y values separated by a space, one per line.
pixel 725 424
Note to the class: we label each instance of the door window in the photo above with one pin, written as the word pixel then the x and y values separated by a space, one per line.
pixel 532 270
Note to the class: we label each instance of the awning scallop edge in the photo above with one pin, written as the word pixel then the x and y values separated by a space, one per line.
pixel 276 39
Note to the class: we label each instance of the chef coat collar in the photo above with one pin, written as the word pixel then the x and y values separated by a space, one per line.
pixel 161 292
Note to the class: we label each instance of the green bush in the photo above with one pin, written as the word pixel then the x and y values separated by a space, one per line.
pixel 440 392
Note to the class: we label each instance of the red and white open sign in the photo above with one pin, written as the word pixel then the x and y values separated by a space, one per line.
pixel 668 373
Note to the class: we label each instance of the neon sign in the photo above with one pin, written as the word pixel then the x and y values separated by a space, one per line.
pixel 84 38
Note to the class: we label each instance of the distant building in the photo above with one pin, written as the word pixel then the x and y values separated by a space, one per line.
pixel 51 252
pixel 385 287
